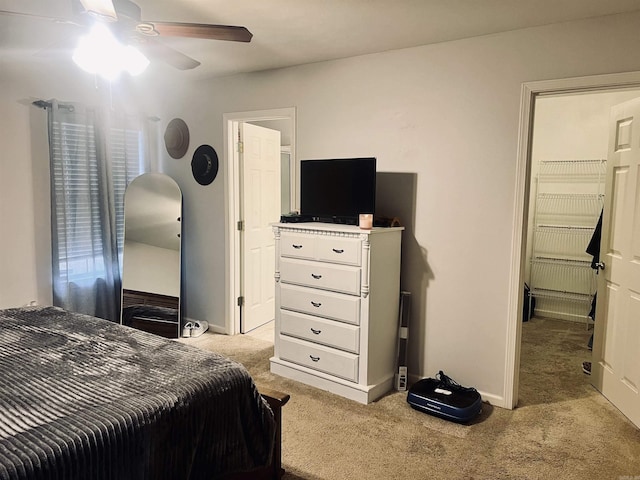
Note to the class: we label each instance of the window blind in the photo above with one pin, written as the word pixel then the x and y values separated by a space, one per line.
pixel 126 164
pixel 79 193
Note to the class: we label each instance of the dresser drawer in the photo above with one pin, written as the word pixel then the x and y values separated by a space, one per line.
pixel 339 278
pixel 297 245
pixel 337 306
pixel 324 359
pixel 327 332
pixel 339 250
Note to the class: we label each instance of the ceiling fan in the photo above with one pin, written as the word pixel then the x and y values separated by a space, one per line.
pixel 124 19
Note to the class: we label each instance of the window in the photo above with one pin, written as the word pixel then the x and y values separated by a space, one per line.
pixel 127 162
pixel 87 190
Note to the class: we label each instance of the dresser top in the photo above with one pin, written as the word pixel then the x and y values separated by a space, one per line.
pixel 335 227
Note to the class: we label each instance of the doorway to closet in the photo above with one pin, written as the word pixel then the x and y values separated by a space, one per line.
pixel 569 148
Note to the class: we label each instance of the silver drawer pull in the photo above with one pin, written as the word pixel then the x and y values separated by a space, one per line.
pixel 316 304
pixel 316 276
pixel 297 247
pixel 317 332
pixel 338 250
pixel 315 359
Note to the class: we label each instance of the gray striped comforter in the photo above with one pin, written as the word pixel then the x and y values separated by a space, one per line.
pixel 83 398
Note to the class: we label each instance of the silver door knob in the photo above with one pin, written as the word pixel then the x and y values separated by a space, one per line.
pixel 600 266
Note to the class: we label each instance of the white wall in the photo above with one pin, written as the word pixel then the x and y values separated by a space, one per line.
pixel 20 233
pixel 571 127
pixel 448 114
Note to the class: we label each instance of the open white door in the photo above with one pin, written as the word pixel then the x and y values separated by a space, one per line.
pixel 260 194
pixel 616 348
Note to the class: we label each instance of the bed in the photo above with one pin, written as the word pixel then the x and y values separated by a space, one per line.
pixel 83 398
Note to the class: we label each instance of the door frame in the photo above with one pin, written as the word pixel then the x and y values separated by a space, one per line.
pixel 529 92
pixel 231 122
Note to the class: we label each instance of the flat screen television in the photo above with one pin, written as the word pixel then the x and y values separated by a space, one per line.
pixel 337 190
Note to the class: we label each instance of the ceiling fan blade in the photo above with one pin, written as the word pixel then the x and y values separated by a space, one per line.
pixel 103 9
pixel 199 30
pixel 155 50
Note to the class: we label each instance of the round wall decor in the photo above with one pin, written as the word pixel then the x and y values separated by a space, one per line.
pixel 204 164
pixel 176 138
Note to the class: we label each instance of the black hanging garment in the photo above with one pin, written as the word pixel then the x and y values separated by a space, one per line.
pixel 594 244
pixel 594 249
pixel 528 304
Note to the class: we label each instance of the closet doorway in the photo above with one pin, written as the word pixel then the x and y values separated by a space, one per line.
pixel 568 153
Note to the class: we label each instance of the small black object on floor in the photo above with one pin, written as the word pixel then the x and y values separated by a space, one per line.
pixel 444 398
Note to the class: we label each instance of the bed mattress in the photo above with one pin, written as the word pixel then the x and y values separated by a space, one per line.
pixel 84 398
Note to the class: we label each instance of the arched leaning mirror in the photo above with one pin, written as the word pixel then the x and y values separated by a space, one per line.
pixel 151 258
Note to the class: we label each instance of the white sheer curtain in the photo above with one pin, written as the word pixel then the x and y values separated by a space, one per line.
pixel 93 157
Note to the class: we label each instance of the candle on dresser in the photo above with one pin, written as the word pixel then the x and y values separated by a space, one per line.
pixel 366 221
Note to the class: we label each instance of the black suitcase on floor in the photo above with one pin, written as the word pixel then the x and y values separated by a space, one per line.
pixel 444 398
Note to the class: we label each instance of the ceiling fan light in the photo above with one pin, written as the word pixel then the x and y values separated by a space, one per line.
pixel 83 56
pixel 100 53
pixel 90 61
pixel 134 61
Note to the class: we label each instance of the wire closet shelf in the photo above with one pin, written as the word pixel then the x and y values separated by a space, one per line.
pixel 568 201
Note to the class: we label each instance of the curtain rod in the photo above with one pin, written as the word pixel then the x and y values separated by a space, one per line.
pixel 45 104
pixel 41 104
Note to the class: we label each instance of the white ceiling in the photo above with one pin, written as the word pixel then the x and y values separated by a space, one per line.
pixel 293 32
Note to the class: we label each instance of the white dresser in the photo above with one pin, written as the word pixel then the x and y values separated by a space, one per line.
pixel 337 297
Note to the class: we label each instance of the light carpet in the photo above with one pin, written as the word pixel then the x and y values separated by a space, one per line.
pixel 562 428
